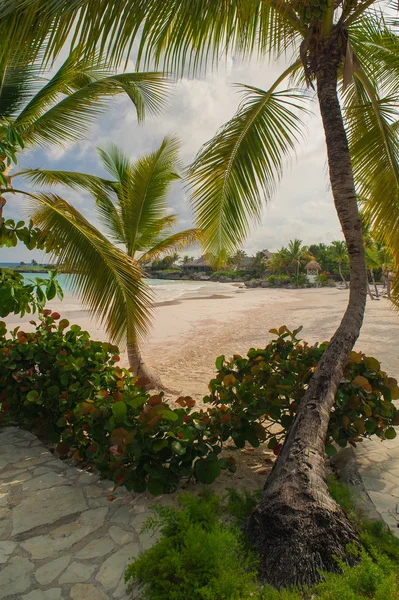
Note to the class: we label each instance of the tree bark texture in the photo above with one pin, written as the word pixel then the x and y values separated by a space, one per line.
pixel 298 529
pixel 138 368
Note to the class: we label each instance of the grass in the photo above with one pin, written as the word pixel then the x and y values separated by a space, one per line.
pixel 202 555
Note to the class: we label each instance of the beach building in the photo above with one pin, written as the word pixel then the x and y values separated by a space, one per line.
pixel 312 270
pixel 200 265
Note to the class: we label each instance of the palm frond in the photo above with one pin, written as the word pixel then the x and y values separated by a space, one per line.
pixel 142 198
pixel 171 244
pixel 107 281
pixel 77 71
pixel 72 179
pixel 70 118
pixel 116 163
pixel 242 164
pixel 371 123
pixel 377 47
pixel 18 82
pixel 180 33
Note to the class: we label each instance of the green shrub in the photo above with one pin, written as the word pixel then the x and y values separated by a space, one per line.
pixel 197 557
pixel 278 279
pixel 63 385
pixel 322 278
pixel 68 388
pixel 199 550
pixel 253 394
pixel 300 280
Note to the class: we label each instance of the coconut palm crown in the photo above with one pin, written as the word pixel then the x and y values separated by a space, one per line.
pixel 135 222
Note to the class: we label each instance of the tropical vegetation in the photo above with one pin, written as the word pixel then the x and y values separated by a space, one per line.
pixel 201 553
pixel 132 211
pixel 64 386
pixel 348 51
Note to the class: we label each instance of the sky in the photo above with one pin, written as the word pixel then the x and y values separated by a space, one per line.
pixel 302 207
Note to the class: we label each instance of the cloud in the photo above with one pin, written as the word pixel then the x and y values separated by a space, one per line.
pixel 302 207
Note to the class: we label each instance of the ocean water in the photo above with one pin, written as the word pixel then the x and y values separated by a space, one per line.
pixel 164 290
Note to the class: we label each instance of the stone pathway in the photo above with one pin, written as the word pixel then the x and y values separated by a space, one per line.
pixel 60 537
pixel 373 469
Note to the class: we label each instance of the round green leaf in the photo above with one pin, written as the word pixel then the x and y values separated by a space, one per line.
pixel 207 470
pixel 390 433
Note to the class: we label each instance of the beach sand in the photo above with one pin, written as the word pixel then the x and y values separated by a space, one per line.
pixel 187 337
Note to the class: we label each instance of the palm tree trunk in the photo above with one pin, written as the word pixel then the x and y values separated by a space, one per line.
pixel 139 369
pixel 374 283
pixel 298 529
pixel 342 275
pixel 370 295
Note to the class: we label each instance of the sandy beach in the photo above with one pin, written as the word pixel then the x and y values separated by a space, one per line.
pixel 187 335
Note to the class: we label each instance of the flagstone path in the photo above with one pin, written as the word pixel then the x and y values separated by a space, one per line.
pixel 60 537
pixel 373 468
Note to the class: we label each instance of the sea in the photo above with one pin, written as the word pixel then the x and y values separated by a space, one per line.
pixel 165 290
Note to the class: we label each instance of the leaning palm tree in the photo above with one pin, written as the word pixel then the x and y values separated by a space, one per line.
pixel 132 211
pixel 340 254
pixel 349 53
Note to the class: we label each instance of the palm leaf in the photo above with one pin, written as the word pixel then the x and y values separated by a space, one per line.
pixel 180 32
pixel 171 244
pixel 72 179
pixel 18 82
pixel 242 164
pixel 112 287
pixel 143 193
pixel 71 117
pixel 77 71
pixel 374 146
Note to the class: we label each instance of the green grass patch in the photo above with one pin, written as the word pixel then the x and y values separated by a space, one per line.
pixel 202 555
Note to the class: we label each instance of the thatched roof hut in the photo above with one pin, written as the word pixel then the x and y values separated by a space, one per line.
pixel 313 266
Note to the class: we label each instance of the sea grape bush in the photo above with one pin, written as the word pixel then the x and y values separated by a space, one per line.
pixel 62 385
pixel 258 395
pixel 19 296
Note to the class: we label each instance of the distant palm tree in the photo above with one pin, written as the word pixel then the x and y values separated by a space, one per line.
pixel 378 258
pixel 132 209
pixel 238 258
pixel 296 254
pixel 340 254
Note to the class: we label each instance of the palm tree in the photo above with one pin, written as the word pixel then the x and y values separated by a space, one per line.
pixel 377 258
pixel 238 258
pixel 340 254
pixel 296 254
pixel 132 209
pixel 343 48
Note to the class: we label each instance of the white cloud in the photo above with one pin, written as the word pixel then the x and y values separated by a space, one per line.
pixel 302 207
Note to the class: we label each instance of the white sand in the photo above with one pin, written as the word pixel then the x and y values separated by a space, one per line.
pixel 187 337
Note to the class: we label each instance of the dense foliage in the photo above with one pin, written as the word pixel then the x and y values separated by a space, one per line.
pixel 253 394
pixel 19 296
pixel 68 388
pixel 197 557
pixel 200 554
pixel 11 233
